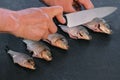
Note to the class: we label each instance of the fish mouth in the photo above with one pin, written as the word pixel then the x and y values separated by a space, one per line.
pixel 88 37
pixel 105 29
pixel 84 35
pixel 29 64
pixel 62 43
pixel 46 54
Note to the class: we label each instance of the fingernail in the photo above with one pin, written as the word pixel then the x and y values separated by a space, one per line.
pixel 64 21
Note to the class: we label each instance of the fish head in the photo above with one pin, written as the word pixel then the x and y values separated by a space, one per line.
pixel 62 43
pixel 82 33
pixel 104 27
pixel 59 41
pixel 100 25
pixel 46 55
pixel 29 63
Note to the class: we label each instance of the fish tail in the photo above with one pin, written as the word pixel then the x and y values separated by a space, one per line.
pixel 11 53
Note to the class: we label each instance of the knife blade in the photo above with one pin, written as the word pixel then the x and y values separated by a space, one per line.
pixel 82 17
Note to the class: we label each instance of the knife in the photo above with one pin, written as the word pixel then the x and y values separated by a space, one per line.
pixel 82 17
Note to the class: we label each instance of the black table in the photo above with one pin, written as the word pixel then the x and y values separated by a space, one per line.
pixel 98 59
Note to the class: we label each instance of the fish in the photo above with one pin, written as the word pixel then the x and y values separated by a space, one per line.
pixel 39 49
pixel 77 32
pixel 99 25
pixel 57 40
pixel 22 59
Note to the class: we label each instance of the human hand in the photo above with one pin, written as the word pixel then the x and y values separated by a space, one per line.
pixel 36 23
pixel 68 5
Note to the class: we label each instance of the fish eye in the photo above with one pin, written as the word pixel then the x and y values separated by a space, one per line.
pixel 108 26
pixel 63 40
pixel 30 61
pixel 47 52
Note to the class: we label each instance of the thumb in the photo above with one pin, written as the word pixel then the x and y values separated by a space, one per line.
pixel 55 11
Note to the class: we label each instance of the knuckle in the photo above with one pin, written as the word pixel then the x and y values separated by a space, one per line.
pixel 45 35
pixel 45 28
pixel 45 18
pixel 53 30
pixel 59 8
pixel 37 37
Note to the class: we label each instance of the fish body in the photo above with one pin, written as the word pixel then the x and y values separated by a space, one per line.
pixel 39 49
pixel 22 59
pixel 77 32
pixel 57 40
pixel 99 25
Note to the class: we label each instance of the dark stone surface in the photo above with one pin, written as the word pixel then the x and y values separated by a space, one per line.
pixel 98 59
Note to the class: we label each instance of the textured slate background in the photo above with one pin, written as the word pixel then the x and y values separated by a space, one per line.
pixel 98 59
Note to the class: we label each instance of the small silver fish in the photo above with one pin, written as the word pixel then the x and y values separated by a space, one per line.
pixel 57 40
pixel 39 49
pixel 77 32
pixel 99 25
pixel 22 59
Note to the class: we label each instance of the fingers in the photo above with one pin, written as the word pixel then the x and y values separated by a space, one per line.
pixel 49 24
pixel 58 12
pixel 86 3
pixel 52 27
pixel 55 11
pixel 70 7
pixel 37 35
pixel 76 6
